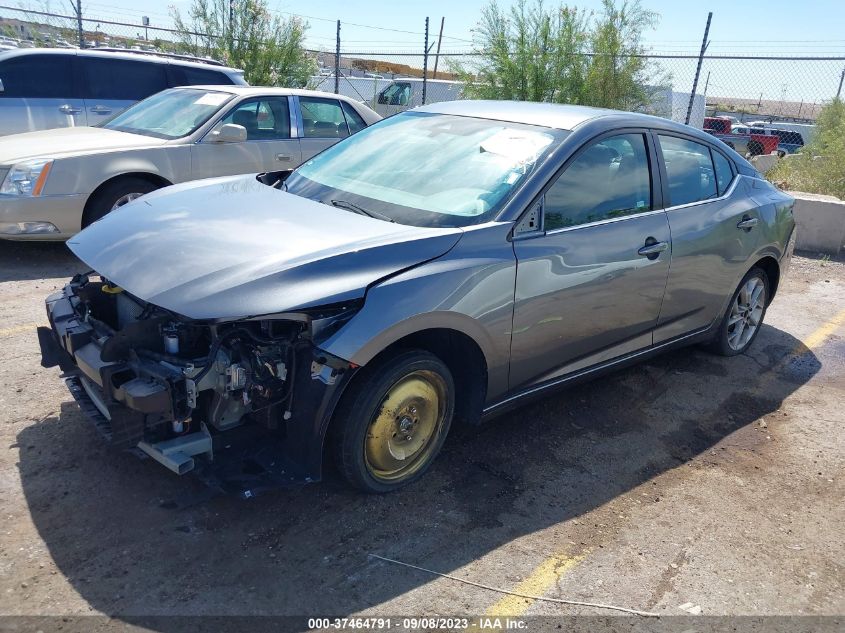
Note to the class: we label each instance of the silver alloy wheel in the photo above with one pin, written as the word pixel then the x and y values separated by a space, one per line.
pixel 129 197
pixel 746 313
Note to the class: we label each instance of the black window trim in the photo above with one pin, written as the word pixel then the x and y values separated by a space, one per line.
pixel 664 176
pixel 539 199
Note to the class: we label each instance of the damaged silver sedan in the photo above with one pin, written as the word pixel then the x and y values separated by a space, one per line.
pixel 443 265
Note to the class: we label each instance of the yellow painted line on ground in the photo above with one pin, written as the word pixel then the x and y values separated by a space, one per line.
pixel 18 329
pixel 547 574
pixel 543 578
pixel 824 332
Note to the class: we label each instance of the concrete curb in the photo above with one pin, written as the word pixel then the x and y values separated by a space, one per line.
pixel 820 222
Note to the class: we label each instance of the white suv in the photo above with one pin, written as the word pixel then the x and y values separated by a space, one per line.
pixel 47 88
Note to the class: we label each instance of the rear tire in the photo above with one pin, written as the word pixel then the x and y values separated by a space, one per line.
pixel 744 316
pixel 393 422
pixel 114 195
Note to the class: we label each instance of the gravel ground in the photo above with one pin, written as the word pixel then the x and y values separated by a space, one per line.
pixel 688 484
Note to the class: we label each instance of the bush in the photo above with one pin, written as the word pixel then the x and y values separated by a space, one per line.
pixel 562 54
pixel 820 168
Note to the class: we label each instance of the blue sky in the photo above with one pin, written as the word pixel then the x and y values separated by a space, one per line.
pixel 811 27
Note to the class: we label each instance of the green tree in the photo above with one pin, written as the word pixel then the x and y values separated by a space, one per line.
pixel 820 167
pixel 562 55
pixel 269 48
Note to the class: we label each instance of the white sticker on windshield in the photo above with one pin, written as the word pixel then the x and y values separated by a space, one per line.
pixel 212 99
pixel 521 146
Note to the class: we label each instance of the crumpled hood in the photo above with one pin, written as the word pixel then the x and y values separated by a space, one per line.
pixel 234 247
pixel 68 141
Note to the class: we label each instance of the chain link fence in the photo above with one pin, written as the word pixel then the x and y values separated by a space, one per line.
pixel 750 88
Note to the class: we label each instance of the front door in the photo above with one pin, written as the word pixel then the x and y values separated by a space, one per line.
pixel 268 145
pixel 112 85
pixel 590 283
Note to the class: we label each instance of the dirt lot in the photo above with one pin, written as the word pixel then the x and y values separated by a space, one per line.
pixel 687 484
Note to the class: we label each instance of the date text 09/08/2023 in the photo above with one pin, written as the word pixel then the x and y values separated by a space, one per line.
pixel 412 623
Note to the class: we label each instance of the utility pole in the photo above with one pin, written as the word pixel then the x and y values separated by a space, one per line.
pixel 439 39
pixel 79 24
pixel 337 62
pixel 425 61
pixel 231 25
pixel 704 45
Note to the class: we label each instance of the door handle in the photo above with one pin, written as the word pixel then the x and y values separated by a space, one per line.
pixel 652 248
pixel 284 158
pixel 69 109
pixel 747 223
pixel 101 109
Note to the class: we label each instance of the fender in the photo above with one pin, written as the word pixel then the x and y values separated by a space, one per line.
pixel 470 290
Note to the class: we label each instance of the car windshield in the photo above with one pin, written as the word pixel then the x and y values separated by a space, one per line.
pixel 427 169
pixel 169 114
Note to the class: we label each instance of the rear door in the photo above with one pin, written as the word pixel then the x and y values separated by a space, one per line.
pixel 111 85
pixel 713 218
pixel 322 124
pixel 590 281
pixel 269 145
pixel 39 92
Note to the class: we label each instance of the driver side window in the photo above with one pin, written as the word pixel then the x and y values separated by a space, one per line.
pixel 609 179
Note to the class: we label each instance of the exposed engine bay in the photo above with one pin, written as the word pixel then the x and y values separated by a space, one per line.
pixel 169 385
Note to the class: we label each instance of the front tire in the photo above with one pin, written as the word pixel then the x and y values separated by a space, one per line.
pixel 113 196
pixel 393 422
pixel 744 316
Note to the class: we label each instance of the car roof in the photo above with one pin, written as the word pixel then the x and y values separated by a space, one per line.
pixel 552 115
pixel 267 90
pixel 129 55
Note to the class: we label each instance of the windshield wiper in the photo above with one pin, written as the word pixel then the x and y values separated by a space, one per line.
pixel 343 204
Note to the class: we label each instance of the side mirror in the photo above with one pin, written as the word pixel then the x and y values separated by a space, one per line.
pixel 228 133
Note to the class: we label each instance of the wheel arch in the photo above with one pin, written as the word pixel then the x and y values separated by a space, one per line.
pixel 771 267
pixel 151 177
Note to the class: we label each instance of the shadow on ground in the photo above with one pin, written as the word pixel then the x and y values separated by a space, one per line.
pixel 20 261
pixel 115 526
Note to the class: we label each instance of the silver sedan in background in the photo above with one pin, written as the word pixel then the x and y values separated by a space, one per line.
pixel 55 182
pixel 442 265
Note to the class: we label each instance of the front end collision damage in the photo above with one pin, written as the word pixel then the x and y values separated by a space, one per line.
pixel 243 403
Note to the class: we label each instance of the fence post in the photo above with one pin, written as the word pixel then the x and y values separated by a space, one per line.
pixel 698 68
pixel 79 24
pixel 337 61
pixel 439 39
pixel 425 62
pixel 841 79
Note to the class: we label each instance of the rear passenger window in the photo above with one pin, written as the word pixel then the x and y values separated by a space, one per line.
pixel 38 77
pixel 609 179
pixel 689 169
pixel 356 123
pixel 122 79
pixel 724 174
pixel 322 118
pixel 190 76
